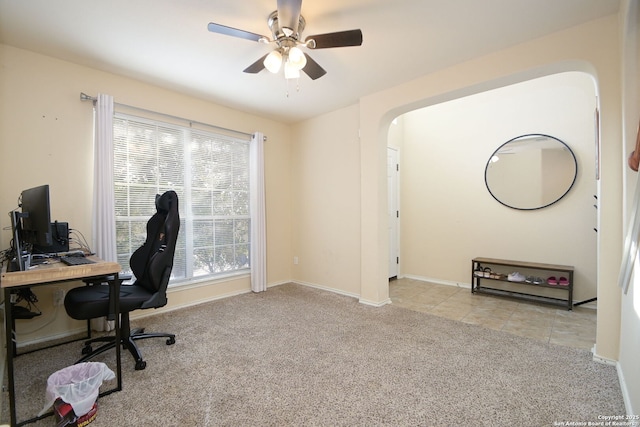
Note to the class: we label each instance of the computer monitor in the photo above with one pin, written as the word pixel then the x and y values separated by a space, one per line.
pixel 18 251
pixel 36 216
pixel 31 226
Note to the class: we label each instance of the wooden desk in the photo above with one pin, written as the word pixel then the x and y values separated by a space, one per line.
pixel 47 274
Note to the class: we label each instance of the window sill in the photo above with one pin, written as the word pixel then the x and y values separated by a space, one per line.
pixel 209 280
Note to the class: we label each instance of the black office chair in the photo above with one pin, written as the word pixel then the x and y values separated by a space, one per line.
pixel 151 264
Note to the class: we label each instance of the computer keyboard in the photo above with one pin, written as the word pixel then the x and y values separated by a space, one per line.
pixel 76 260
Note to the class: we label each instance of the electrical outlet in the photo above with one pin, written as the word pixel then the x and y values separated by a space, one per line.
pixel 58 297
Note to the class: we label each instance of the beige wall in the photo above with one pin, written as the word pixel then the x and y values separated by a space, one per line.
pixel 448 216
pixel 46 137
pixel 326 206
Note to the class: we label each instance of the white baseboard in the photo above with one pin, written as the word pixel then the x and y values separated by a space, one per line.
pixel 373 303
pixel 623 384
pixel 438 281
pixel 625 392
pixel 60 336
pixel 325 288
pixel 146 313
pixel 348 294
pixel 601 359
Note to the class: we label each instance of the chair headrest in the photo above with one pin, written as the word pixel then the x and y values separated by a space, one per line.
pixel 164 201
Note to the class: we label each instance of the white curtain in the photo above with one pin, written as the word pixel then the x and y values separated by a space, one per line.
pixel 104 221
pixel 258 217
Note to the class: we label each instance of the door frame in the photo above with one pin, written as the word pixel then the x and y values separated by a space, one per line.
pixel 393 201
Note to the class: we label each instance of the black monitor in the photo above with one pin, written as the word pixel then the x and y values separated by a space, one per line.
pixel 36 216
pixel 18 252
pixel 32 226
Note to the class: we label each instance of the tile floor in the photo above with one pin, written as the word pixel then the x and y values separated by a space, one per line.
pixel 576 328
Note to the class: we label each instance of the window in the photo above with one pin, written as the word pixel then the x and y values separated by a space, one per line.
pixel 210 173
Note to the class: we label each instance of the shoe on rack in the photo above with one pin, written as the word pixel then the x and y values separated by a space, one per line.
pixel 516 277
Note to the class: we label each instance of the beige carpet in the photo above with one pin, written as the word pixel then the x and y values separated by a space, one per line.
pixel 296 356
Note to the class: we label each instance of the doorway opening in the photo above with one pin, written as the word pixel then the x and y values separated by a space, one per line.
pixel 447 215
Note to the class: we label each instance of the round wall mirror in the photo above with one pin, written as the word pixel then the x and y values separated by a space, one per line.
pixel 531 172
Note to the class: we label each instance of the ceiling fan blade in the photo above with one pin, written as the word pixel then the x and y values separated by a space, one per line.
pixel 289 14
pixel 256 67
pixel 338 39
pixel 313 69
pixel 234 32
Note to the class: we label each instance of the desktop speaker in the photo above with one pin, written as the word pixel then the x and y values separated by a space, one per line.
pixel 60 237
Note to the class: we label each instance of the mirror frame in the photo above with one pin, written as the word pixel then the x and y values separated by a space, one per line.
pixel 532 135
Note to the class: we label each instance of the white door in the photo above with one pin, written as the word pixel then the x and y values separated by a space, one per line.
pixel 393 210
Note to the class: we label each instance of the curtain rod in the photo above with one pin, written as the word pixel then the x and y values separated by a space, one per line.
pixel 85 97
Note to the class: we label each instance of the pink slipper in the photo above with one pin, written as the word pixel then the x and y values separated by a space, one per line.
pixel 563 281
pixel 552 281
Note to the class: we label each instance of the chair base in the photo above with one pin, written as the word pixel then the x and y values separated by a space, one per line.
pixel 127 339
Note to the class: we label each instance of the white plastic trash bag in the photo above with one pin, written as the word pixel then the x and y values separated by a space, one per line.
pixel 78 385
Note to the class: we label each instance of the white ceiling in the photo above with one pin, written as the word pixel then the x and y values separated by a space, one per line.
pixel 166 42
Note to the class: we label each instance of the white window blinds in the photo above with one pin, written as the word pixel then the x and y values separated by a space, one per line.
pixel 210 173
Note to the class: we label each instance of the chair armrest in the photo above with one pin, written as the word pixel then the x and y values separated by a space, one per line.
pixel 105 279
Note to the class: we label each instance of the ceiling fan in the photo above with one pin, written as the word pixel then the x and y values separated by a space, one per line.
pixel 287 24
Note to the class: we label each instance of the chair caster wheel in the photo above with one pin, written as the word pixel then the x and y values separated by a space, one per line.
pixel 86 350
pixel 171 340
pixel 140 365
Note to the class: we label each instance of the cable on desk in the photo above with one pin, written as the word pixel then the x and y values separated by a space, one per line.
pixel 80 239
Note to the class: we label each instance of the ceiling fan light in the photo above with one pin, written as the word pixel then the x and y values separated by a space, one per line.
pixel 273 61
pixel 297 58
pixel 290 71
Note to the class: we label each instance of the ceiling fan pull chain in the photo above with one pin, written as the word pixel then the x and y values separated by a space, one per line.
pixel 297 80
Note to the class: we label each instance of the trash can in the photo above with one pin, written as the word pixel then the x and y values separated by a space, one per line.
pixel 78 386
